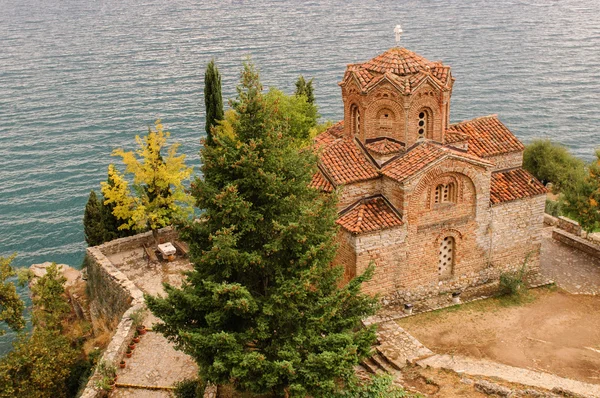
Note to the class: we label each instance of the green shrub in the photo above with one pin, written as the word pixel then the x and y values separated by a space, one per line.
pixel 189 388
pixel 554 208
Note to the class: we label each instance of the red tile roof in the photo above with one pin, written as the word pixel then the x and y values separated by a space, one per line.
pixel 331 134
pixel 487 136
pixel 385 146
pixel 345 163
pixel 421 155
pixel 370 214
pixel 402 67
pixel 514 184
pixel 320 182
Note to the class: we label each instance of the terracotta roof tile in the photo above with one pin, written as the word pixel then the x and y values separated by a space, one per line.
pixel 487 136
pixel 370 214
pixel 345 163
pixel 331 134
pixel 401 66
pixel 514 184
pixel 419 156
pixel 385 146
pixel 320 182
pixel 452 137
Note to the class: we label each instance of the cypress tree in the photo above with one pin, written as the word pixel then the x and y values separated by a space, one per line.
pixel 93 225
pixel 213 99
pixel 305 88
pixel 263 309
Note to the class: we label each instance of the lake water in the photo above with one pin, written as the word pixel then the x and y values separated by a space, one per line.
pixel 80 78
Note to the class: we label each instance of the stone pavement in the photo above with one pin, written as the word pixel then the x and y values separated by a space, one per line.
pixel 572 270
pixel 481 367
pixel 398 346
pixel 154 362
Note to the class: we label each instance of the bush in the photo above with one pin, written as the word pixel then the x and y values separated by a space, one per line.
pixel 550 162
pixel 554 208
pixel 189 388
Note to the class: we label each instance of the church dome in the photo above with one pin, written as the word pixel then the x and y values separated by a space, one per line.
pixel 400 66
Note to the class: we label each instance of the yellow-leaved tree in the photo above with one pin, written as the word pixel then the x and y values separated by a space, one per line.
pixel 157 197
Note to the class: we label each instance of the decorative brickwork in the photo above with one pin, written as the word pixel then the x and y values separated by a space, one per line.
pixel 435 208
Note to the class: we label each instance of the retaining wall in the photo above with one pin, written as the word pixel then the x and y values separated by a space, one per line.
pixel 114 296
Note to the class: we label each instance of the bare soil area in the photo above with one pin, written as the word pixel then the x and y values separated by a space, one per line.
pixel 552 331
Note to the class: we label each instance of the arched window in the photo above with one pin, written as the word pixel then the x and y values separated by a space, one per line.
pixel 355 120
pixel 446 258
pixel 423 124
pixel 445 193
pixel 386 119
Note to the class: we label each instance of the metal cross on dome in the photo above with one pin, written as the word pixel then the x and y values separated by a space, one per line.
pixel 398 31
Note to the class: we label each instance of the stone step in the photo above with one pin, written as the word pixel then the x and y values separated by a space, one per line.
pixel 371 366
pixel 383 363
pixel 397 361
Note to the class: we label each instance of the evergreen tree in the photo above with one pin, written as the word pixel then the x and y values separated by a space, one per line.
pixel 93 226
pixel 11 305
pixel 213 99
pixel 305 88
pixel 263 309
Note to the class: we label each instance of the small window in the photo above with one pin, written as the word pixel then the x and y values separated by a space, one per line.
pixel 446 258
pixel 422 124
pixel 355 120
pixel 445 193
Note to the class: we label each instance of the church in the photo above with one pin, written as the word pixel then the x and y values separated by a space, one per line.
pixel 437 208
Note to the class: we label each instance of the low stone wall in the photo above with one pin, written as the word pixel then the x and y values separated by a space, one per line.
pixel 576 242
pixel 114 296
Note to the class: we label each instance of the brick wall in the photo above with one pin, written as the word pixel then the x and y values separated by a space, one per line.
pixel 507 160
pixel 352 192
pixel 517 233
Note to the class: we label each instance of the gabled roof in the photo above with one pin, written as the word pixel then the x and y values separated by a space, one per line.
pixel 331 134
pixel 421 155
pixel 514 184
pixel 401 67
pixel 368 215
pixel 320 182
pixel 488 136
pixel 384 146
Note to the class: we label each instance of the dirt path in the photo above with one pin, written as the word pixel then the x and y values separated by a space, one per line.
pixel 557 333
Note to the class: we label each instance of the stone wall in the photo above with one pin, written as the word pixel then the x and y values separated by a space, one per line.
pixel 387 252
pixel 352 192
pixel 517 233
pixel 114 297
pixel 507 160
pixel 577 242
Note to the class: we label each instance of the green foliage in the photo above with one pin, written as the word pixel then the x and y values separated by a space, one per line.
pixel 11 305
pixel 93 228
pixel 554 207
pixel 189 388
pixel 99 224
pixel 213 100
pixel 292 114
pixel 513 283
pixel 550 162
pixel 138 316
pixel 581 199
pixel 305 89
pixel 158 198
pixel 263 309
pixel 378 387
pixel 38 366
pixel 41 365
pixel 49 304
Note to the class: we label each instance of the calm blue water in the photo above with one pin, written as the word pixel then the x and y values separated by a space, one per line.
pixel 79 78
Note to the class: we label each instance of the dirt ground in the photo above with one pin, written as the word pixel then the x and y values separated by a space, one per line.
pixel 553 331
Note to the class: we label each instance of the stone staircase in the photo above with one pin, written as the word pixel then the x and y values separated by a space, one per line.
pixel 394 351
